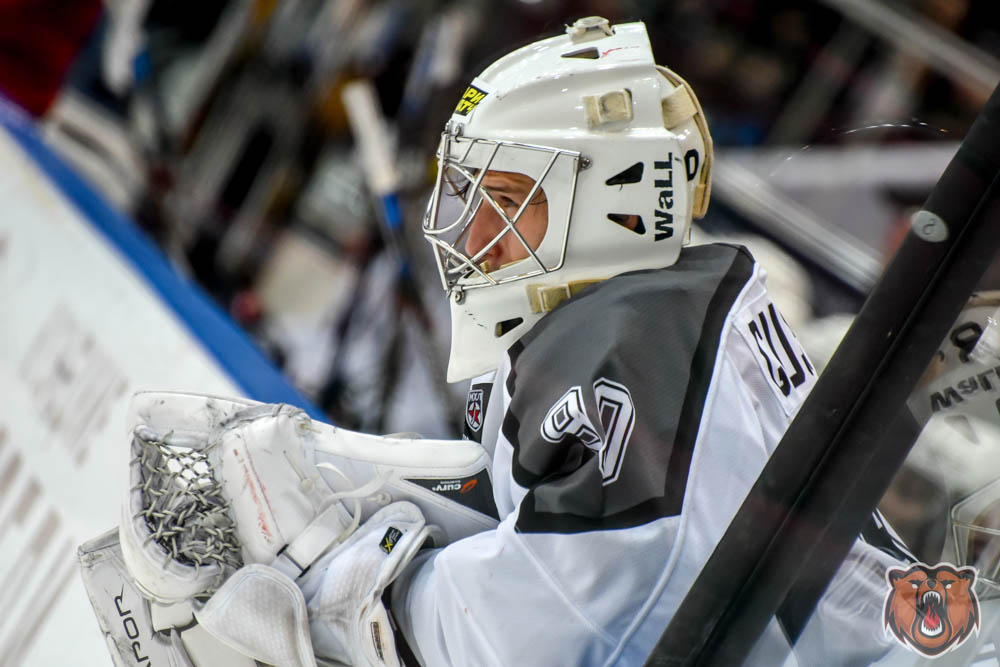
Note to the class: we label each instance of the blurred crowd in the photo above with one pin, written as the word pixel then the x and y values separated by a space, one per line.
pixel 219 127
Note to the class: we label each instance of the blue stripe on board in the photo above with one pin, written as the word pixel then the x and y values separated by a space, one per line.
pixel 224 340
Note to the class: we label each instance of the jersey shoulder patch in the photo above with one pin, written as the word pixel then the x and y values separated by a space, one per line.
pixel 475 410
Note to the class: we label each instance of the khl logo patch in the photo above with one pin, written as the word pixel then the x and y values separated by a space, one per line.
pixel 474 409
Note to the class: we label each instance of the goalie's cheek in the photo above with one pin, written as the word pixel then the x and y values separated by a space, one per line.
pixel 485 226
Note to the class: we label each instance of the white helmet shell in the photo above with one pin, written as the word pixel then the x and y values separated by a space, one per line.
pixel 608 136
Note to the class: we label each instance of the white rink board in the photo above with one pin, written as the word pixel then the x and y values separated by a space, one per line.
pixel 81 331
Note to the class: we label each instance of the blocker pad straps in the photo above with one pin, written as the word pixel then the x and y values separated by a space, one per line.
pixel 322 532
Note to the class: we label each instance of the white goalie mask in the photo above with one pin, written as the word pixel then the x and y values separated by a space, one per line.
pixel 611 159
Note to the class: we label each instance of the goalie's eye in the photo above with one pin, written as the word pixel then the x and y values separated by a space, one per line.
pixel 457 181
pixel 510 203
pixel 506 203
pixel 458 190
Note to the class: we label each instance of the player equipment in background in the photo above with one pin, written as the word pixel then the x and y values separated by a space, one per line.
pixel 616 145
pixel 959 397
pixel 976 525
pixel 233 503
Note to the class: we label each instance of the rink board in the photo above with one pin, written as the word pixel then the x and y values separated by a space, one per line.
pixel 91 312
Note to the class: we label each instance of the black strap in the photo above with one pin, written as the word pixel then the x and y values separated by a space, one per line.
pixel 403 650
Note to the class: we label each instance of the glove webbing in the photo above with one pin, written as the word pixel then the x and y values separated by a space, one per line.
pixel 183 505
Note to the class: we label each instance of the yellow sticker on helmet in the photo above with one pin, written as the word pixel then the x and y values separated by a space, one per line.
pixel 470 98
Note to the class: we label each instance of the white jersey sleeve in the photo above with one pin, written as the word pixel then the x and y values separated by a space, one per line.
pixel 635 418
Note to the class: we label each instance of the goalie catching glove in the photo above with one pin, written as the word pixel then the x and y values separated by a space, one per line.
pixel 236 508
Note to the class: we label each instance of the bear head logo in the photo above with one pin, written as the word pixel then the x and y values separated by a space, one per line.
pixel 931 609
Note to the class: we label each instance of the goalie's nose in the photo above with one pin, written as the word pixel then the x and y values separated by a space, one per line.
pixel 485 226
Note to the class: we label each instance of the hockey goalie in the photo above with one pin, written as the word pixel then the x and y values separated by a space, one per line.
pixel 626 391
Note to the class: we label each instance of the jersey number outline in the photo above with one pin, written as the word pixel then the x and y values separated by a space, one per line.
pixel 568 418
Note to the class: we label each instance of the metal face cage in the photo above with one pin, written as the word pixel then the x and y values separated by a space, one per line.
pixel 459 193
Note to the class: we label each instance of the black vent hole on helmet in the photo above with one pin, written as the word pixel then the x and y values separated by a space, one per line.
pixel 631 222
pixel 590 53
pixel 631 175
pixel 507 326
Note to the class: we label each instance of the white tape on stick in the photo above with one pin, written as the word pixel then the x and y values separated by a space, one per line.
pixel 375 145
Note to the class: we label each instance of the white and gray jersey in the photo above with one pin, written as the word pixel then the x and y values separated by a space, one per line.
pixel 626 428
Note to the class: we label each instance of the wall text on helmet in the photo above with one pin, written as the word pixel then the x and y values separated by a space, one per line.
pixel 945 397
pixel 664 182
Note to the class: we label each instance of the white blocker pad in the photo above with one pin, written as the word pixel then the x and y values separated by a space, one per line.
pixel 219 485
pixel 139 633
pixel 261 612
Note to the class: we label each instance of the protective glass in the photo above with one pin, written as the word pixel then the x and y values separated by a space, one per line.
pixel 976 526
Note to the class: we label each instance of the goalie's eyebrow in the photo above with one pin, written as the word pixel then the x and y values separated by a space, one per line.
pixel 502 190
pixel 513 191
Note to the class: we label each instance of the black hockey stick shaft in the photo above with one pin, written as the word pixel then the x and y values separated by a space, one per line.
pixel 838 456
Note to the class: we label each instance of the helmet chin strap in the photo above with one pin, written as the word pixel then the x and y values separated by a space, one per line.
pixel 544 298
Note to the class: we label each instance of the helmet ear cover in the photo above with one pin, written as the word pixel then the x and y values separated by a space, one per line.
pixel 679 106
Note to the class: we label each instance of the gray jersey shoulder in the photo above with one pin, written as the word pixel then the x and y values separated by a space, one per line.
pixel 607 392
